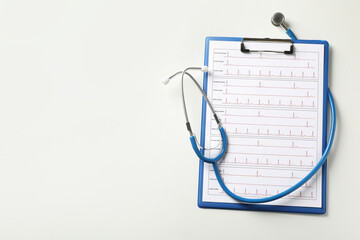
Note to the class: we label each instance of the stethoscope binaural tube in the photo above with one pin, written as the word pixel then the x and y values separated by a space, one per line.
pixel 188 126
pixel 214 161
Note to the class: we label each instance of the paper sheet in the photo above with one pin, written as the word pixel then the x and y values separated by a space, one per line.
pixel 271 106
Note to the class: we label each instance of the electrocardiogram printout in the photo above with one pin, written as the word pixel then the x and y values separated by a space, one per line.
pixel 271 106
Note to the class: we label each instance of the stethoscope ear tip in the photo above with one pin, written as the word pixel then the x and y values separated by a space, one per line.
pixel 204 69
pixel 165 81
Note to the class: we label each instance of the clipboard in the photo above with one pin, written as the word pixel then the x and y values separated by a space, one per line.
pixel 204 203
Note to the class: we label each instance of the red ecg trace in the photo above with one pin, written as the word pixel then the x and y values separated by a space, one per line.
pixel 259 115
pixel 261 56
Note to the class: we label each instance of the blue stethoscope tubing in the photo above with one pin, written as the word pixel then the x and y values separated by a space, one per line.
pixel 300 183
pixel 214 161
pixel 219 156
pixel 321 162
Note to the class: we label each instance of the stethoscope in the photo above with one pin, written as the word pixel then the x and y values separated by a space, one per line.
pixel 278 19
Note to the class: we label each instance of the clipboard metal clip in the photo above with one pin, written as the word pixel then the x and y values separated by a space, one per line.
pixel 246 50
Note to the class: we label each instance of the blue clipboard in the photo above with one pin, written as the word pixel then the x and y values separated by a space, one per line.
pixel 258 207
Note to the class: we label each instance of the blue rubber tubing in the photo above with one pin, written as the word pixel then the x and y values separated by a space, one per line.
pixel 291 34
pixel 219 156
pixel 300 183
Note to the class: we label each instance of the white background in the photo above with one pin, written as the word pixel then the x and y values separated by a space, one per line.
pixel 92 146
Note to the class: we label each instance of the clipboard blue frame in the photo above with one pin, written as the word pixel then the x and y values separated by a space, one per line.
pixel 259 207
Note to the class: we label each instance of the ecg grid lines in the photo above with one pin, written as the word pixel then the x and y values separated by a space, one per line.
pixel 270 113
